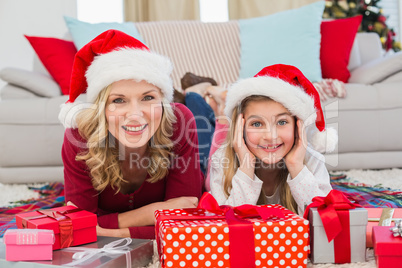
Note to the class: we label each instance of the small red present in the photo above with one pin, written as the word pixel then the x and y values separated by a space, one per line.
pixel 72 226
pixel 224 236
pixel 387 248
pixel 374 215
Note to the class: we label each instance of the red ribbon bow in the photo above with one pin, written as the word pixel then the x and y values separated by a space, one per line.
pixel 241 234
pixel 334 213
pixel 65 224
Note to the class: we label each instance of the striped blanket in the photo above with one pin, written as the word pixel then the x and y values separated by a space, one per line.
pixel 366 195
pixel 52 195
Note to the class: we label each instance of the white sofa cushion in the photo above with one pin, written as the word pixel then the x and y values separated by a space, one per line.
pixel 377 70
pixel 37 83
pixel 10 91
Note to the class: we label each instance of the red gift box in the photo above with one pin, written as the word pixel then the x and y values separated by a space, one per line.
pixel 387 248
pixel 374 215
pixel 216 238
pixel 72 226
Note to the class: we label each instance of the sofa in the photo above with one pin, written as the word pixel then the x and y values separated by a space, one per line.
pixel 367 118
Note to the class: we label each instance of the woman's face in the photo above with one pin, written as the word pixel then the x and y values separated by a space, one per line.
pixel 133 112
pixel 269 130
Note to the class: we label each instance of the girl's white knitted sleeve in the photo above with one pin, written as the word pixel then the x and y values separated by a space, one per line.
pixel 244 189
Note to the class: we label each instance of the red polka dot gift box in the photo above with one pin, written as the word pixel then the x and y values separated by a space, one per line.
pixel 224 236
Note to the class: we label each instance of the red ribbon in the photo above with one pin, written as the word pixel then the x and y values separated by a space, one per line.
pixel 334 212
pixel 65 224
pixel 241 234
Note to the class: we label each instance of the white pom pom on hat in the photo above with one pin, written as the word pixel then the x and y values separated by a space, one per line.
pixel 287 85
pixel 110 57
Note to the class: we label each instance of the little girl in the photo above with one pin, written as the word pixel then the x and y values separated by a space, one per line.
pixel 269 155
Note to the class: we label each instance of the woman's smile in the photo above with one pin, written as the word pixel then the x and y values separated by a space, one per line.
pixel 135 130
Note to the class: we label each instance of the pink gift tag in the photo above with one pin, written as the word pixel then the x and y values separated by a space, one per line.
pixel 28 244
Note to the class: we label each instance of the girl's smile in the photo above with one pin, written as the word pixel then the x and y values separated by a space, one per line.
pixel 270 148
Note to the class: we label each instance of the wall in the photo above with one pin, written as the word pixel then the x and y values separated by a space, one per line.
pixel 392 10
pixel 37 18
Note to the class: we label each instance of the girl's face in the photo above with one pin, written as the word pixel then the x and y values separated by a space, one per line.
pixel 133 112
pixel 269 130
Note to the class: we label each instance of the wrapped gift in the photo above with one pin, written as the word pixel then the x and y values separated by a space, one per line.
pixel 387 247
pixel 338 229
pixel 224 236
pixel 28 245
pixel 374 215
pixel 72 226
pixel 105 252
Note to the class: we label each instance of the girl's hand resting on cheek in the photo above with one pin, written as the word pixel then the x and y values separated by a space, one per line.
pixel 294 159
pixel 246 158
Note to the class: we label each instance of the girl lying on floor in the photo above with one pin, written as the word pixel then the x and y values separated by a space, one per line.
pixel 270 152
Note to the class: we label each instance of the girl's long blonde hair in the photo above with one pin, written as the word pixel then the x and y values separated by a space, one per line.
pixel 102 154
pixel 229 171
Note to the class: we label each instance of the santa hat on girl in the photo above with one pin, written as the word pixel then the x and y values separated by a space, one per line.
pixel 287 85
pixel 110 57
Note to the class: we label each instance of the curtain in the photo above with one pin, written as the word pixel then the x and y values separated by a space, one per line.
pixel 157 10
pixel 244 9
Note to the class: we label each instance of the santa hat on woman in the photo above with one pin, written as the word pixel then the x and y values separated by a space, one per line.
pixel 287 85
pixel 110 57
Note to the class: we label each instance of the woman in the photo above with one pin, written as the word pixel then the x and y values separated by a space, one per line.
pixel 127 152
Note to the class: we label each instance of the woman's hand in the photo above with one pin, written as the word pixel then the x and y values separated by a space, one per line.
pixel 246 158
pixel 295 157
pixel 182 202
pixel 69 203
pixel 144 216
pixel 124 232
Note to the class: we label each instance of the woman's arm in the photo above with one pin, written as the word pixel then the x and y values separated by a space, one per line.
pixel 144 216
pixel 80 192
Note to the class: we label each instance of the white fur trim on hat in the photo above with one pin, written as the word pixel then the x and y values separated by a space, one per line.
pixel 291 97
pixel 69 111
pixel 325 141
pixel 128 63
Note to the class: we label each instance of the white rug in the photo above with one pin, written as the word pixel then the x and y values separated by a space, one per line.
pixel 391 178
pixel 17 192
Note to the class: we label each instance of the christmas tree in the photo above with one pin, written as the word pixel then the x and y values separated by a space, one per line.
pixel 373 18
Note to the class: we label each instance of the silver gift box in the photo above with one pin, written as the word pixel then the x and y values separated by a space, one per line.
pixel 140 254
pixel 323 252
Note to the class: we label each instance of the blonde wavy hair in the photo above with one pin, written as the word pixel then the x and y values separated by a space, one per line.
pixel 229 171
pixel 102 155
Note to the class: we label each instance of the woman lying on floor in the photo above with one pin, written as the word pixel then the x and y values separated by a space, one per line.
pixel 131 152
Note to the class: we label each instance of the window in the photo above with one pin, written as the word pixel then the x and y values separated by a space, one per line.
pixel 214 10
pixel 95 11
